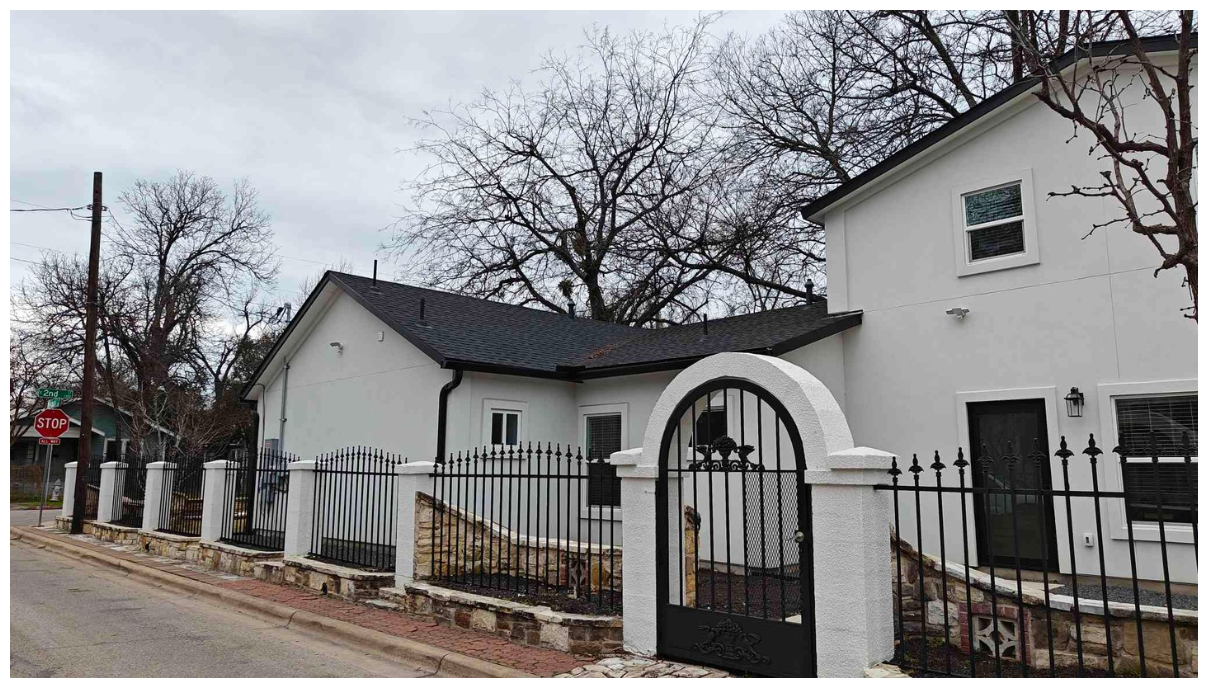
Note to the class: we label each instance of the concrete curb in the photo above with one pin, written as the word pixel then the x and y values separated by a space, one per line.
pixel 437 660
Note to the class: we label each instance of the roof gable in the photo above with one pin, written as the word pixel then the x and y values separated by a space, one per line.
pixel 976 115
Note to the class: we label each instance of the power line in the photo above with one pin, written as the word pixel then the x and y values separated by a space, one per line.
pixel 48 210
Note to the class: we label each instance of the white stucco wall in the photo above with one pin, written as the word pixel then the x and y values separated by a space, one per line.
pixel 380 394
pixel 1089 314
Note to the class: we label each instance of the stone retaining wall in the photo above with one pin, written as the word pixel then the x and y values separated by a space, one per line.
pixel 450 541
pixel 538 626
pixel 1034 638
pixel 326 578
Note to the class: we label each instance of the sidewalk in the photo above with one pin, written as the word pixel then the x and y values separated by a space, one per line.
pixel 474 654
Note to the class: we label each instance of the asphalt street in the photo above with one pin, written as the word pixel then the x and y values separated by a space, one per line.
pixel 69 618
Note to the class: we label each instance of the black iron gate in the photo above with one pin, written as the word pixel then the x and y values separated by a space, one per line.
pixel 734 534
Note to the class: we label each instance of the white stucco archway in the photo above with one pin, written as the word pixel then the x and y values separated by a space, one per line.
pixel 822 424
pixel 850 519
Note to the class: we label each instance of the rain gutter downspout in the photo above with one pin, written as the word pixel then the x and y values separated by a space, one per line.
pixel 284 396
pixel 442 417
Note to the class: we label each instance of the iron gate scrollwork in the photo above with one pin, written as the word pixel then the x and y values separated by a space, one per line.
pixel 735 583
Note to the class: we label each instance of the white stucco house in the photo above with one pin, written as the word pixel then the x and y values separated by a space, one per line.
pixel 962 307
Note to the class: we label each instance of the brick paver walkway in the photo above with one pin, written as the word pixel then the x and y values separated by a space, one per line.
pixel 534 660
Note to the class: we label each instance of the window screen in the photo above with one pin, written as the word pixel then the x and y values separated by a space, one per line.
pixel 603 438
pixel 994 222
pixel 505 428
pixel 1153 426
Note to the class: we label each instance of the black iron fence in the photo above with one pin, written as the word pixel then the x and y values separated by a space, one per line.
pixel 180 501
pixel 536 523
pixel 355 508
pixel 254 501
pixel 129 490
pixel 92 488
pixel 1045 596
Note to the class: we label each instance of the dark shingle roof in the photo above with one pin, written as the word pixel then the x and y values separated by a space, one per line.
pixel 772 332
pixel 475 334
pixel 460 328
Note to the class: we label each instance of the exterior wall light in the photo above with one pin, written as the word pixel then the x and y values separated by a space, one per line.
pixel 338 346
pixel 1075 401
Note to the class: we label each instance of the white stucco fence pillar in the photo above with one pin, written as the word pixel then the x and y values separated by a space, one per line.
pixel 638 480
pixel 216 517
pixel 69 487
pixel 112 475
pixel 159 488
pixel 299 513
pixel 413 479
pixel 852 566
pixel 852 613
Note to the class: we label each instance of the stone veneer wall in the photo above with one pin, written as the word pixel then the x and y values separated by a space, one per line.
pixel 538 626
pixel 353 584
pixel 449 541
pixel 1125 648
pixel 212 555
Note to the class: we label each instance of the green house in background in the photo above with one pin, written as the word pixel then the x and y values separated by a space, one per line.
pixel 26 456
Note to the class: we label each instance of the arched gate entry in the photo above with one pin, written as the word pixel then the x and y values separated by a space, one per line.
pixel 735 586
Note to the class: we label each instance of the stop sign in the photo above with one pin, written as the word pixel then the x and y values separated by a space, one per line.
pixel 51 423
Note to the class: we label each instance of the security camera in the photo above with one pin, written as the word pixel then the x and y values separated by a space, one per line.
pixel 959 313
pixel 339 346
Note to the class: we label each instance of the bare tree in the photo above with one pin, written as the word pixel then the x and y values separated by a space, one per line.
pixel 185 256
pixel 31 365
pixel 602 186
pixel 1148 170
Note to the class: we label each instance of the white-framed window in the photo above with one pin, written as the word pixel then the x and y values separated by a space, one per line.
pixel 604 430
pixel 995 225
pixel 503 423
pixel 1127 412
pixel 505 428
pixel 1154 427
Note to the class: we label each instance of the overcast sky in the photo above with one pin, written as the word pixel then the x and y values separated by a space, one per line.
pixel 311 107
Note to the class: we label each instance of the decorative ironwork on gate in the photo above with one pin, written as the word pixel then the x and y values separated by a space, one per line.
pixel 734 534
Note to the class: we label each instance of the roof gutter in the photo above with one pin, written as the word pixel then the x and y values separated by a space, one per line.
pixel 442 416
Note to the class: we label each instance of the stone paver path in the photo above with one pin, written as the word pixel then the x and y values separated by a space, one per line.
pixel 640 667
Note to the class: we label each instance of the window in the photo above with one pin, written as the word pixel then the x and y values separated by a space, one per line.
pixel 710 425
pixel 603 438
pixel 1153 427
pixel 994 224
pixel 993 221
pixel 505 428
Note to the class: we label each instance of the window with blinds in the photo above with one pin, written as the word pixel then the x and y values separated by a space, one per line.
pixel 1153 427
pixel 993 222
pixel 603 438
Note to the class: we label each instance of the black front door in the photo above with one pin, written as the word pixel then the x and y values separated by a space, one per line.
pixel 1009 446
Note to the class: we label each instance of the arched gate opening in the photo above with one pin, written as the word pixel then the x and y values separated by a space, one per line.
pixel 735 568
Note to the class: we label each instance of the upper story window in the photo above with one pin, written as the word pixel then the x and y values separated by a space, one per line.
pixel 995 228
pixel 993 220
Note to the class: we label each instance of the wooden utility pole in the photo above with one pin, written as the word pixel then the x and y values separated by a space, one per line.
pixel 85 441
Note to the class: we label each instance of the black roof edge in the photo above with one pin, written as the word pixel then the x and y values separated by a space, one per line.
pixel 394 325
pixel 329 277
pixel 500 369
pixel 845 321
pixel 842 321
pixel 284 336
pixel 1163 43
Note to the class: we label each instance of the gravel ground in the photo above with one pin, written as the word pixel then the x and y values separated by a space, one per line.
pixel 1117 593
